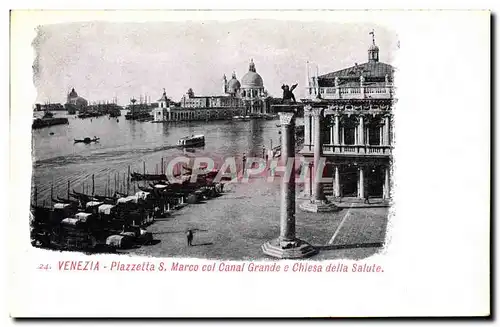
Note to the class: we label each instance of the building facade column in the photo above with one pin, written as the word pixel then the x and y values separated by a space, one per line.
pixel 307 128
pixel 332 130
pixel 361 183
pixel 336 182
pixel 318 194
pixel 361 130
pixel 387 140
pixel 336 130
pixel 318 202
pixel 387 185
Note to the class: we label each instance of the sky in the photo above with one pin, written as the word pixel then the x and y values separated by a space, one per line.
pixel 103 60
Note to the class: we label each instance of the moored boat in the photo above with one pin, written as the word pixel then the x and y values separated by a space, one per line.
pixel 49 120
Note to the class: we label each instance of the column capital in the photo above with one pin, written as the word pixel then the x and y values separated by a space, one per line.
pixel 307 110
pixel 286 118
pixel 317 112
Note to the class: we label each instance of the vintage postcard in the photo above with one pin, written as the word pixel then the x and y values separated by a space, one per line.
pixel 249 163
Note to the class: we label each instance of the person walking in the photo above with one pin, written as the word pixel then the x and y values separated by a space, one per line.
pixel 367 197
pixel 189 236
pixel 244 160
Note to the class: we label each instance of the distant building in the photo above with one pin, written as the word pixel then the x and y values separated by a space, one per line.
pixel 192 108
pixel 49 107
pixel 160 113
pixel 251 90
pixel 75 100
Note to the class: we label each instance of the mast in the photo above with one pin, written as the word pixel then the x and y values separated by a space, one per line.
pixel 128 180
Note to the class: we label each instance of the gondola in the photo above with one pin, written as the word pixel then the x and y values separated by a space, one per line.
pixel 62 200
pixel 87 140
pixel 145 189
pixel 147 177
pixel 106 199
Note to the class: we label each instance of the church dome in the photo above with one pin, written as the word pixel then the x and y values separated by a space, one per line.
pixel 73 93
pixel 79 101
pixel 252 79
pixel 233 85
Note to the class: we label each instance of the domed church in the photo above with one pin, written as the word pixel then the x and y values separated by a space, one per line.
pixel 75 100
pixel 250 90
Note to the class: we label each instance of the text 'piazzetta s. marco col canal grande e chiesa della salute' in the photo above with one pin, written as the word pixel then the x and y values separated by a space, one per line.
pixel 236 175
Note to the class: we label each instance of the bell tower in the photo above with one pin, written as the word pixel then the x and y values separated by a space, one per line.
pixel 224 84
pixel 373 49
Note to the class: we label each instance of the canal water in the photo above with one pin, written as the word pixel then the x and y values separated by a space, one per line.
pixel 124 143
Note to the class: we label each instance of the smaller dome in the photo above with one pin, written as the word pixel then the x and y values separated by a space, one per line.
pixel 233 85
pixel 373 47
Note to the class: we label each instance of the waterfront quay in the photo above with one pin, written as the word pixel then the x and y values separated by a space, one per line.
pixel 236 224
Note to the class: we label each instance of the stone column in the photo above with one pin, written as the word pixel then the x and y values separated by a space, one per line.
pixel 387 185
pixel 307 127
pixel 361 190
pixel 381 131
pixel 318 147
pixel 332 131
pixel 287 212
pixel 336 182
pixel 287 245
pixel 386 131
pixel 336 130
pixel 318 203
pixel 361 130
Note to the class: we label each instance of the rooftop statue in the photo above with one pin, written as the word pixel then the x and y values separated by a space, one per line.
pixel 288 93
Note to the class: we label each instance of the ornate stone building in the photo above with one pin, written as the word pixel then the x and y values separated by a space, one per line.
pixel 75 102
pixel 353 109
pixel 251 90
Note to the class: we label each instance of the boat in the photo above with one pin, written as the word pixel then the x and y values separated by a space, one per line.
pixel 87 140
pixel 192 141
pixel 89 114
pixel 242 118
pixel 270 116
pixel 48 120
pixel 140 115
pixel 115 113
pixel 147 177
